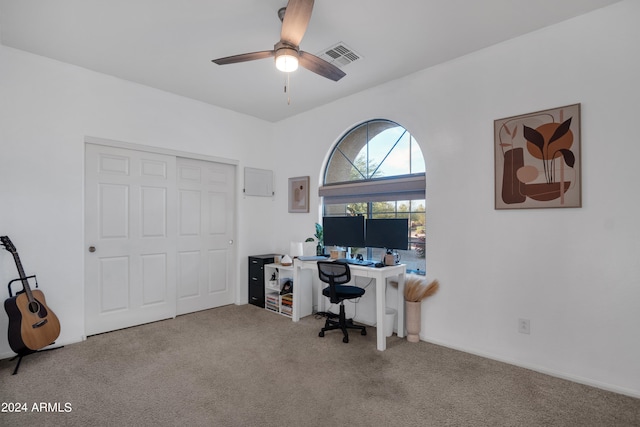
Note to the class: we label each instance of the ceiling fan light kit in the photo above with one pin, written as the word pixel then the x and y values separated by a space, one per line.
pixel 287 59
pixel 295 19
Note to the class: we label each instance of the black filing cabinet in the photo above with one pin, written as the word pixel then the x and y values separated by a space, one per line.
pixel 256 277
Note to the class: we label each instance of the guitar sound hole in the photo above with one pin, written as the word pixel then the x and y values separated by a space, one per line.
pixel 34 307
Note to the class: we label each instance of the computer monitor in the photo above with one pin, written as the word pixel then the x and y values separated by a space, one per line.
pixel 343 231
pixel 388 233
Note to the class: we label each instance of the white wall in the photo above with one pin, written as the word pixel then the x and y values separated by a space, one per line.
pixel 46 110
pixel 583 292
pixel 575 273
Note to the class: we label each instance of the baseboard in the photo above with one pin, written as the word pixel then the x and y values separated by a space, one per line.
pixel 11 354
pixel 542 370
pixel 7 355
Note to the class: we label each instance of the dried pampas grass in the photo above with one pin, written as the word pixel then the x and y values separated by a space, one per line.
pixel 416 288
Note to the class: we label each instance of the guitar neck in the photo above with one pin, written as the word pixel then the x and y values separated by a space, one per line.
pixel 23 277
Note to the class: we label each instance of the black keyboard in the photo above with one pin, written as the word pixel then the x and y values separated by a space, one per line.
pixel 354 261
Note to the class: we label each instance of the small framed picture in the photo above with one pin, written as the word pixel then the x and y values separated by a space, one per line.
pixel 299 194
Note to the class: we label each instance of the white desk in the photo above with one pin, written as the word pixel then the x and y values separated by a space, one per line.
pixel 380 275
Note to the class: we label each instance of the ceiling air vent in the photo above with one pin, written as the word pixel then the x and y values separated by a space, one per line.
pixel 339 55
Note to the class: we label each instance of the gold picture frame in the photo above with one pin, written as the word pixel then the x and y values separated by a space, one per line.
pixel 299 194
pixel 537 160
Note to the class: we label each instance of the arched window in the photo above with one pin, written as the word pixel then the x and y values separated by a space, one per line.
pixel 377 170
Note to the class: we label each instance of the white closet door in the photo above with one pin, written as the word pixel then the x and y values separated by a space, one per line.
pixel 130 236
pixel 206 228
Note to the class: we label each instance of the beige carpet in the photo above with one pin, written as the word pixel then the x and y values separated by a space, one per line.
pixel 243 366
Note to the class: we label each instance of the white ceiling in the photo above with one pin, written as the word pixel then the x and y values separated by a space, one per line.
pixel 169 44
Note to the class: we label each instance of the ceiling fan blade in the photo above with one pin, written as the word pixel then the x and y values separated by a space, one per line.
pixel 295 22
pixel 244 57
pixel 320 66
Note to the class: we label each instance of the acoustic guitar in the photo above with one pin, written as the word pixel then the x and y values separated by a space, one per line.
pixel 32 325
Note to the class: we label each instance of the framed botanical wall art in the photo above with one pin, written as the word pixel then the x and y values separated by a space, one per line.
pixel 537 160
pixel 299 194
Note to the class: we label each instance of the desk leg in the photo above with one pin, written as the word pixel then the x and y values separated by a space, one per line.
pixel 321 298
pixel 297 282
pixel 400 308
pixel 380 313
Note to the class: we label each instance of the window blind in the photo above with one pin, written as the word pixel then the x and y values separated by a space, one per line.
pixel 408 187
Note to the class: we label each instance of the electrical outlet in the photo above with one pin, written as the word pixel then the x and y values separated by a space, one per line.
pixel 524 326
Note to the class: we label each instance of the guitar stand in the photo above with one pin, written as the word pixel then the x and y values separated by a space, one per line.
pixel 20 356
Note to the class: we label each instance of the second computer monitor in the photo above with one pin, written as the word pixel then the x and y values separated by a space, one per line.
pixel 343 231
pixel 388 233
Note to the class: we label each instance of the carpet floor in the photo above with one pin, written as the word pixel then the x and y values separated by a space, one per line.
pixel 244 366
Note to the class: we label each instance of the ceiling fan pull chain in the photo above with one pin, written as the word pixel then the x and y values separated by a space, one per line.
pixel 287 89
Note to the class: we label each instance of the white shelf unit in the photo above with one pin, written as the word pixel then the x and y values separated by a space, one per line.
pixel 285 304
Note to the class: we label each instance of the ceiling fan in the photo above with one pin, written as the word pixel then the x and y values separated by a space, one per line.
pixel 295 19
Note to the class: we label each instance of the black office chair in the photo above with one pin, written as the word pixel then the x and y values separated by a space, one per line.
pixel 336 274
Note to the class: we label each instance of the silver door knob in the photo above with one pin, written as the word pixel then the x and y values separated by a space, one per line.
pixel 92 249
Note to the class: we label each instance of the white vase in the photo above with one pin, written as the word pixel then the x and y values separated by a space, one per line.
pixel 413 310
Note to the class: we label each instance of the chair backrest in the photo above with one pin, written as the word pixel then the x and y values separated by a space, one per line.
pixel 334 273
